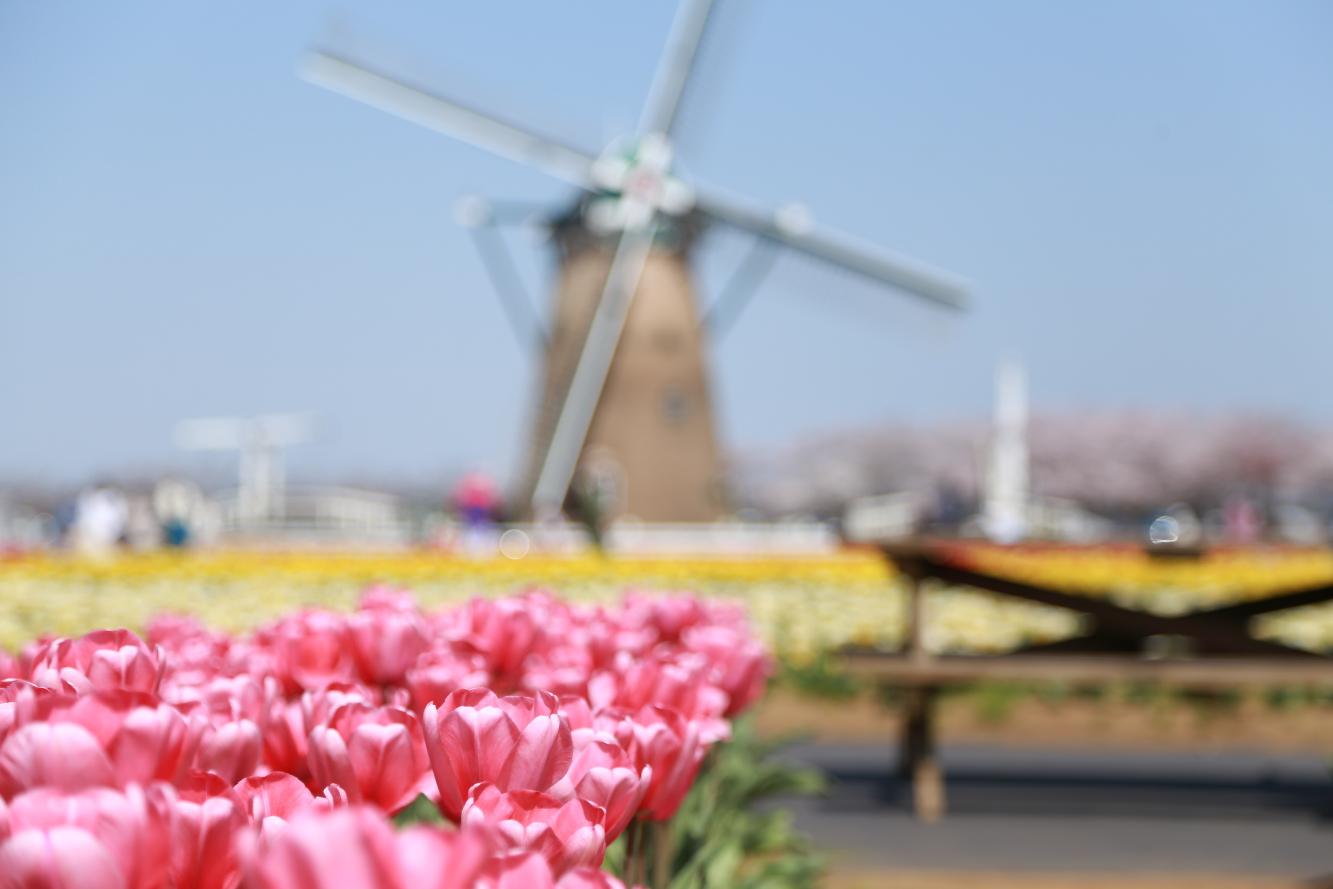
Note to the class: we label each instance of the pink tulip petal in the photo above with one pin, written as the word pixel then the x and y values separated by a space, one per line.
pixel 60 858
pixel 60 755
pixel 542 756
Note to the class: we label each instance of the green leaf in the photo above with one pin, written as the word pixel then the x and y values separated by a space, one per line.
pixel 420 811
pixel 726 834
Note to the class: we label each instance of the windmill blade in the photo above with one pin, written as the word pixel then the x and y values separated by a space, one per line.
pixel 793 229
pixel 585 386
pixel 675 67
pixel 211 434
pixel 444 115
pixel 284 430
pixel 740 287
pixel 481 217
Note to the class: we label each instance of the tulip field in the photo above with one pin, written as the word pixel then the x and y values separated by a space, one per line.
pixel 274 720
pixel 800 606
pixel 515 739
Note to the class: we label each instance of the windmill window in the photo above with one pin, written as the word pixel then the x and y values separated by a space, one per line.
pixel 675 405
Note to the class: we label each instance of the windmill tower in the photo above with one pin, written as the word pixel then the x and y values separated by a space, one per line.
pixel 624 401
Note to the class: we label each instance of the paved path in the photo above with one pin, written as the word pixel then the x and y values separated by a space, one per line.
pixel 1026 810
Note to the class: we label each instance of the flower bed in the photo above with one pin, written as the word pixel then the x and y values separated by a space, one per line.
pixel 540 731
pixel 800 605
pixel 1133 577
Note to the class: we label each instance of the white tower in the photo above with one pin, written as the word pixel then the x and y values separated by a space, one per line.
pixel 1004 514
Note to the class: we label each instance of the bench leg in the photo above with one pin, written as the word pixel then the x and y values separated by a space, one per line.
pixel 918 761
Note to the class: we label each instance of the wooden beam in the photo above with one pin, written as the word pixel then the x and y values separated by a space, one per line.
pixel 1199 673
pixel 1217 633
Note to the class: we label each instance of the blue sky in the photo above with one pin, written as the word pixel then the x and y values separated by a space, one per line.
pixel 1140 192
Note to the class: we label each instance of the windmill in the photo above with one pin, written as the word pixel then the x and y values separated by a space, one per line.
pixel 624 400
pixel 260 442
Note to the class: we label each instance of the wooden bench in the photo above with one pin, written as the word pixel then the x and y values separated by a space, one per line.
pixel 1209 649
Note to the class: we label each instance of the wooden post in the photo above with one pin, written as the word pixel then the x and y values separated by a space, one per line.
pixel 919 762
pixel 914 619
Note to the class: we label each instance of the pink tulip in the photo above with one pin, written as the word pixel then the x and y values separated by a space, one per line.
pixel 527 871
pixel 386 636
pixel 740 665
pixel 198 786
pixel 22 702
pixel 284 737
pixel 173 632
pixel 430 858
pixel 203 842
pixel 567 835
pixel 318 706
pixel 307 650
pixel 563 669
pixel 676 679
pixel 231 750
pixel 589 878
pixel 131 825
pixel 516 743
pixel 58 858
pixel 605 635
pixel 603 774
pixel 104 659
pixel 223 698
pixel 139 742
pixel 442 671
pixel 382 597
pixel 279 753
pixel 273 800
pixel 531 871
pixel 143 740
pixel 144 743
pixel 275 795
pixel 672 746
pixel 60 755
pixel 506 632
pixel 350 848
pixel 668 616
pixel 377 754
pixel 193 654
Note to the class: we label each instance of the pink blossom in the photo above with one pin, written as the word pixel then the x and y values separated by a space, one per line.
pixel 60 755
pixel 198 759
pixel 519 742
pixel 132 825
pixel 505 632
pixel 672 746
pixel 101 660
pixel 567 835
pixel 740 666
pixel 308 649
pixel 284 736
pixel 442 671
pixel 344 849
pixel 377 754
pixel 227 747
pixel 59 857
pixel 603 774
pixel 386 635
pixel 204 836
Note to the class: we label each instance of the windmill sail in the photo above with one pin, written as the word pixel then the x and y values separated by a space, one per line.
pixel 625 388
